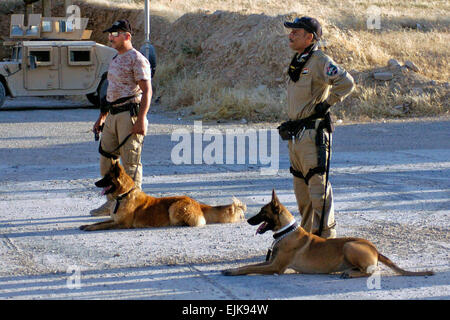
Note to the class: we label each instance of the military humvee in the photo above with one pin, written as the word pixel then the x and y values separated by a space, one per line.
pixel 50 57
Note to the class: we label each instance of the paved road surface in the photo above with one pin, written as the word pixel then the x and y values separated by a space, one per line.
pixel 391 183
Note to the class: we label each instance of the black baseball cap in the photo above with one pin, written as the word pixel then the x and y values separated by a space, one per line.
pixel 311 25
pixel 120 25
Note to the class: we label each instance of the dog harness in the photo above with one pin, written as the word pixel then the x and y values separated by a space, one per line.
pixel 280 234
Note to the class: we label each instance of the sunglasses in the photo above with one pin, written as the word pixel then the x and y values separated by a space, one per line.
pixel 116 33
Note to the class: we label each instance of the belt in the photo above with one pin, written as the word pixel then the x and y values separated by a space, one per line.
pixel 308 124
pixel 291 128
pixel 125 107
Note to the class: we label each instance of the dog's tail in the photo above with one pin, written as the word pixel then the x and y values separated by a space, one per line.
pixel 239 207
pixel 385 260
pixel 233 212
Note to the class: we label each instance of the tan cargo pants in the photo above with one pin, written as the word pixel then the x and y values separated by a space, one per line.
pixel 303 156
pixel 117 127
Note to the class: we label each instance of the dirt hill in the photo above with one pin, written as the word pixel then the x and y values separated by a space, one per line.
pixel 231 63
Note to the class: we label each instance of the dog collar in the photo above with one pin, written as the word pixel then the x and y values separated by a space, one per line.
pixel 280 234
pixel 286 229
pixel 120 198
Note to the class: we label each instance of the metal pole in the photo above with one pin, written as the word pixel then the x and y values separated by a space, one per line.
pixel 147 28
pixel 147 49
pixel 47 8
pixel 67 3
pixel 29 8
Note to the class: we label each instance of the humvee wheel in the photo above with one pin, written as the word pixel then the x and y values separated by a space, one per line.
pixel 2 94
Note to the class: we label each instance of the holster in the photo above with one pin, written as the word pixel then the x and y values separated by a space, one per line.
pixel 133 108
pixel 289 129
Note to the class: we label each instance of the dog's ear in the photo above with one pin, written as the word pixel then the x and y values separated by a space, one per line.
pixel 116 168
pixel 275 203
pixel 275 199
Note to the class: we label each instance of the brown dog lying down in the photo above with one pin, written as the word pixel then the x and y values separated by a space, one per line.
pixel 307 253
pixel 135 209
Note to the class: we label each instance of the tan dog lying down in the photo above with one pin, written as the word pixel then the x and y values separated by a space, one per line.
pixel 307 253
pixel 135 209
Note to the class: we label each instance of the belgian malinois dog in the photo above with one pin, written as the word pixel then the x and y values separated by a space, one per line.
pixel 135 209
pixel 305 252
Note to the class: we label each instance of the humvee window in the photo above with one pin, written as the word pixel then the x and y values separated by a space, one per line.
pixel 80 56
pixel 41 56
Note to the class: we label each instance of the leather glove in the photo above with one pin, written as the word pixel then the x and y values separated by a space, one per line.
pixel 285 130
pixel 322 108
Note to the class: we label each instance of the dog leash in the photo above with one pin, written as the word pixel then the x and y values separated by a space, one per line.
pixel 327 175
pixel 280 235
pixel 111 154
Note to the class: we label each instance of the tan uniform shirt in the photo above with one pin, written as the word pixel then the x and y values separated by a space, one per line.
pixel 321 80
pixel 124 72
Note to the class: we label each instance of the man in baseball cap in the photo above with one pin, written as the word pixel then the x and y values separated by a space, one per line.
pixel 123 118
pixel 316 83
pixel 311 25
pixel 120 25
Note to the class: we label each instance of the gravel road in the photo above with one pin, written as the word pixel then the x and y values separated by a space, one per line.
pixel 391 183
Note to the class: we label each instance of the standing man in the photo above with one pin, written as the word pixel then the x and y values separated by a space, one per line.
pixel 316 83
pixel 123 117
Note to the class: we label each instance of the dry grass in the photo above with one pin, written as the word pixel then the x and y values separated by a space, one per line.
pixel 232 63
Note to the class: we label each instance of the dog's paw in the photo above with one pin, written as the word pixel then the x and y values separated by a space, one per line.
pixel 86 227
pixel 345 275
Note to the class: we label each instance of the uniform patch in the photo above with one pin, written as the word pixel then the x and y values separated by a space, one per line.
pixel 305 71
pixel 331 70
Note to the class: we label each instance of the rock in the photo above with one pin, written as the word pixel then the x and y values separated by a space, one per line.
pixel 385 76
pixel 392 63
pixel 411 65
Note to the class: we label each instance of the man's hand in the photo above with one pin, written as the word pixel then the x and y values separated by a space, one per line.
pixel 99 123
pixel 140 127
pixel 322 108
